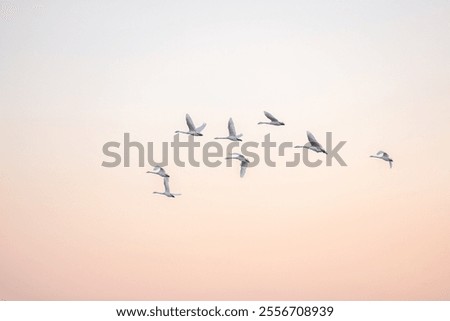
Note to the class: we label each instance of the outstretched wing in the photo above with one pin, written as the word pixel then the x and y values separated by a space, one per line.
pixel 231 129
pixel 311 138
pixel 270 116
pixel 390 164
pixel 234 156
pixel 166 185
pixel 244 166
pixel 190 123
pixel 199 129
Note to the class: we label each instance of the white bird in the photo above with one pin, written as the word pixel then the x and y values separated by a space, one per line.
pixel 273 120
pixel 158 170
pixel 231 132
pixel 244 162
pixel 192 129
pixel 166 189
pixel 313 144
pixel 384 156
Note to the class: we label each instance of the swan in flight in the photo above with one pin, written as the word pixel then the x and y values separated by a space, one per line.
pixel 158 170
pixel 192 130
pixel 313 145
pixel 166 189
pixel 384 156
pixel 273 120
pixel 244 162
pixel 232 132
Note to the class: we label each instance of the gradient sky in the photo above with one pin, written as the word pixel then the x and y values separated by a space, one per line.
pixel 75 75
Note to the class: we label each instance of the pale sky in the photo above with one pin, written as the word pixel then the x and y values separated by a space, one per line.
pixel 75 75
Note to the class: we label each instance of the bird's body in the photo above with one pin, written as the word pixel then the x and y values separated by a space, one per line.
pixel 384 156
pixel 166 189
pixel 244 162
pixel 192 129
pixel 159 171
pixel 273 120
pixel 232 132
pixel 313 144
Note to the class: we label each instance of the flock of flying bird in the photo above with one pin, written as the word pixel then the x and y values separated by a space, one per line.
pixel 313 145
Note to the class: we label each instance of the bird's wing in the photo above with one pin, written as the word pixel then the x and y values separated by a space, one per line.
pixel 315 149
pixel 235 156
pixel 390 164
pixel 199 129
pixel 231 129
pixel 311 138
pixel 244 166
pixel 270 116
pixel 162 171
pixel 190 123
pixel 381 153
pixel 166 185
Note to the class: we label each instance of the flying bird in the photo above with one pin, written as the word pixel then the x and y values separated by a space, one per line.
pixel 273 120
pixel 384 156
pixel 158 170
pixel 231 132
pixel 166 189
pixel 244 162
pixel 192 129
pixel 313 144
